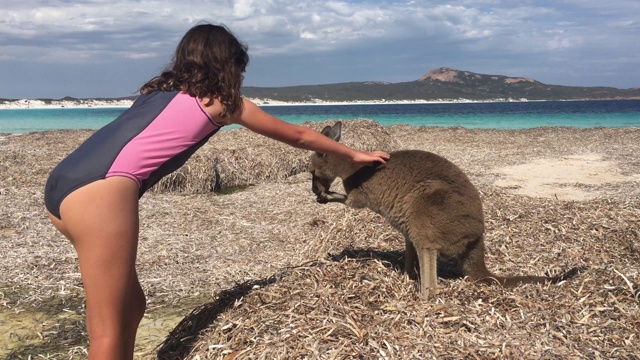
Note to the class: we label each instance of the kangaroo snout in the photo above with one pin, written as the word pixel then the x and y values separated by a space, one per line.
pixel 319 185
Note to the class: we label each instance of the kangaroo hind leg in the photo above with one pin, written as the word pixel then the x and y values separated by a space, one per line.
pixel 428 272
pixel 410 259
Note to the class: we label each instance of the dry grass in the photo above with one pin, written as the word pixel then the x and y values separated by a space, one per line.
pixel 267 273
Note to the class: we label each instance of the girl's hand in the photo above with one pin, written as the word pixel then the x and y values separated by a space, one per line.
pixel 369 158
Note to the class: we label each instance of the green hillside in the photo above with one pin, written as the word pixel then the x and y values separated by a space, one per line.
pixel 440 84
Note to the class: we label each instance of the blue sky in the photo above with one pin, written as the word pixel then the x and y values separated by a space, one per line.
pixel 108 48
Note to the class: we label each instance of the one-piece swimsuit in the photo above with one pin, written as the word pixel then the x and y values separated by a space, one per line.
pixel 148 141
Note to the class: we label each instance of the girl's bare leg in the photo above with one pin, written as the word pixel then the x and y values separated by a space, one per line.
pixel 101 220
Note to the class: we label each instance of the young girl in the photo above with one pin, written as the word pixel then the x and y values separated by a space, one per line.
pixel 92 195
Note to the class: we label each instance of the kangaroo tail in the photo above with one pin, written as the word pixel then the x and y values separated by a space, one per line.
pixel 473 266
pixel 513 281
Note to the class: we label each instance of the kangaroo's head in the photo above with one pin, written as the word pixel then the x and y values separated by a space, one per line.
pixel 323 172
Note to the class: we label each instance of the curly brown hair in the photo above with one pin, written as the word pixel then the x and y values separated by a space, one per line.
pixel 209 63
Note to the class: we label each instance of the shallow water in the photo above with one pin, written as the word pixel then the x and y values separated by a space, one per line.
pixel 29 333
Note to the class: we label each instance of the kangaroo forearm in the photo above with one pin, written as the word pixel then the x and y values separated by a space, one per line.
pixel 330 196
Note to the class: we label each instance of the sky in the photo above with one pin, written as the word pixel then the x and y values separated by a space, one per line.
pixel 109 48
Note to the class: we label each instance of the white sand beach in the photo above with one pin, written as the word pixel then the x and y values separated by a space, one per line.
pixel 55 104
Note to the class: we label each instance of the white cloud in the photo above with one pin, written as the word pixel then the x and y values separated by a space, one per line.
pixel 137 56
pixel 278 26
pixel 496 36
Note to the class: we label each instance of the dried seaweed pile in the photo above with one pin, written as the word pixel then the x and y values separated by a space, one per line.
pixel 241 158
pixel 357 303
pixel 268 273
pixel 362 309
pixel 27 159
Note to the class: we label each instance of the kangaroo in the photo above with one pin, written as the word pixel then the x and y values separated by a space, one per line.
pixel 427 199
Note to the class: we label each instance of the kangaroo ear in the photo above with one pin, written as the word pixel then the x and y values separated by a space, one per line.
pixel 326 131
pixel 333 132
pixel 337 131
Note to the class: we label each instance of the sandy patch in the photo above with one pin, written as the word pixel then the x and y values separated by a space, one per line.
pixel 562 178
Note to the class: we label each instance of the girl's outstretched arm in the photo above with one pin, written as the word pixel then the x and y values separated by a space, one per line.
pixel 256 120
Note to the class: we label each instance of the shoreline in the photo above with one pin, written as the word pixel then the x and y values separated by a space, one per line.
pixel 34 104
pixel 30 104
pixel 91 103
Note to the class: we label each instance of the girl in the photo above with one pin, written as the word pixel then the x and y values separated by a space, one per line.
pixel 92 195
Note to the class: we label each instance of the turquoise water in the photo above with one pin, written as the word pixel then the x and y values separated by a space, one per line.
pixel 511 115
pixel 29 120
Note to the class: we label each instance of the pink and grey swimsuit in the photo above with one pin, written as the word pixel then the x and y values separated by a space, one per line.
pixel 153 138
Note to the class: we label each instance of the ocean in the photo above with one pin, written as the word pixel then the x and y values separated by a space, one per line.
pixel 490 115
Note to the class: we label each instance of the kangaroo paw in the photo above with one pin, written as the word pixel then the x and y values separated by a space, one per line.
pixel 327 197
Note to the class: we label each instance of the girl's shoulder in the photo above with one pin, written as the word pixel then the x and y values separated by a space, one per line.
pixel 213 108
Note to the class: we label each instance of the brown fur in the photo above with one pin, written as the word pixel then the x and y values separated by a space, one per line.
pixel 426 198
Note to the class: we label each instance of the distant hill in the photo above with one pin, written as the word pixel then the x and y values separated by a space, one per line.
pixel 440 84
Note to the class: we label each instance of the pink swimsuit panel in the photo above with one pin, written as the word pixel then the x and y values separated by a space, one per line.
pixel 181 125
